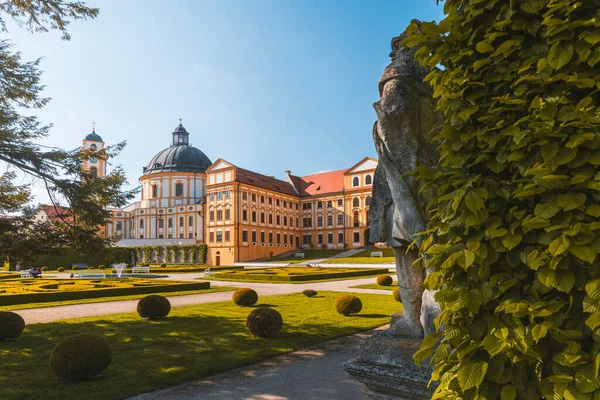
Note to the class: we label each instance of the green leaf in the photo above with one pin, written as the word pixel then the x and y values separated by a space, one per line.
pixel 508 392
pixel 471 375
pixel 565 280
pixel 560 54
pixel 510 241
pixel 559 246
pixel 593 210
pixel 593 321
pixel 592 288
pixel 584 253
pixel 473 202
pixel 571 201
pixel 547 210
pixel 484 47
pixel 539 332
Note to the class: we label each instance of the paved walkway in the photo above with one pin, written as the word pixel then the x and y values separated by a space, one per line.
pixel 57 313
pixel 312 373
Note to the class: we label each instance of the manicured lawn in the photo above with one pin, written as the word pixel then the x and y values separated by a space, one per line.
pixel 293 274
pixel 114 298
pixel 22 291
pixel 191 343
pixel 376 286
pixel 308 255
pixel 364 257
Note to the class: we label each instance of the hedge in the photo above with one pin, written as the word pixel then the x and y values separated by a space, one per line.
pixel 299 278
pixel 13 299
pixel 67 257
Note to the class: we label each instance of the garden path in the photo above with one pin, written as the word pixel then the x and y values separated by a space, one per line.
pixel 57 313
pixel 315 372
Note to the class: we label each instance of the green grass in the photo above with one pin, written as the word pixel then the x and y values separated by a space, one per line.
pixel 293 274
pixel 193 342
pixel 308 255
pixel 114 298
pixel 376 286
pixel 364 257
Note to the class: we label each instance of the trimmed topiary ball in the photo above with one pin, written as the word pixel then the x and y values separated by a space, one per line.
pixel 348 304
pixel 91 267
pixel 154 307
pixel 74 268
pixel 163 265
pixel 61 269
pixel 396 294
pixel 80 357
pixel 384 280
pixel 245 297
pixel 44 268
pixel 11 325
pixel 264 322
pixel 309 293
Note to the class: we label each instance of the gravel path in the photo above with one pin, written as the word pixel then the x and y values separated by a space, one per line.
pixel 315 372
pixel 51 314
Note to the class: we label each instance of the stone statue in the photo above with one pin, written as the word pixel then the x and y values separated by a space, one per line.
pixel 406 122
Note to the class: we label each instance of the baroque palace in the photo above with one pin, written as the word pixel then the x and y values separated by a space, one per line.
pixel 241 215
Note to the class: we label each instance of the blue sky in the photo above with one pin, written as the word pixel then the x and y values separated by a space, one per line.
pixel 268 85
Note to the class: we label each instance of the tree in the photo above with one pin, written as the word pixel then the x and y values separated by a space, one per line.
pixel 514 234
pixel 61 171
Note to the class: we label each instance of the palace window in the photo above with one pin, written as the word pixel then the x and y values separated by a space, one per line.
pixel 253 197
pixel 212 196
pixel 191 221
pixel 356 219
pixel 119 226
pixel 307 206
pixel 270 201
pixel 181 221
pixel 211 215
pixel 181 236
pixel 340 237
pixel 244 235
pixel 329 203
pixel 227 214
pixel 211 236
pixel 368 180
pixel 270 237
pixel 278 238
pixel 319 204
pixel 219 215
pixel 277 202
pixel 271 219
pixel 219 195
pixel 297 222
pixel 356 237
pixel 227 236
pixel 219 236
pixel 355 181
pixel 330 220
pixel 356 202
pixel 278 219
pixel 262 199
pixel 262 217
pixel 170 222
pixel 284 238
pixel 190 235
pixel 284 220
pixel 340 219
pixel 320 238
pixel 253 216
pixel 245 215
pixel 254 236
pixel 307 222
pixel 330 238
pixel 179 189
pixel 368 201
pixel 155 191
pixel 284 203
pixel 161 223
pixel 228 194
pixel 141 224
pixel 319 221
pixel 340 202
pixel 306 239
pixel 262 237
pixel 244 195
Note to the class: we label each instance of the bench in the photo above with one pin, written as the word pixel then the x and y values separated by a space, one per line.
pixel 91 273
pixel 299 255
pixel 26 274
pixel 377 254
pixel 207 272
pixel 141 270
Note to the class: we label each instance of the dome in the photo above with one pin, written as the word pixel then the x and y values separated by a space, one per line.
pixel 94 137
pixel 179 157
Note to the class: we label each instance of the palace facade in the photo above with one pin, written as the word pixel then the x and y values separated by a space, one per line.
pixel 240 214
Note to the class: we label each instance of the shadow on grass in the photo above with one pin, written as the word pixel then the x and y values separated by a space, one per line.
pixel 370 315
pixel 264 305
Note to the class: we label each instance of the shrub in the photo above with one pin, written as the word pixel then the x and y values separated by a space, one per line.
pixel 74 267
pixel 163 265
pixel 80 357
pixel 245 297
pixel 348 304
pixel 309 293
pixel 513 241
pixel 44 268
pixel 11 325
pixel 100 266
pixel 91 267
pixel 264 322
pixel 385 280
pixel 154 307
pixel 61 269
pixel 396 294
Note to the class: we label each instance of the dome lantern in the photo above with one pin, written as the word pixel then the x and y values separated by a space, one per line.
pixel 180 136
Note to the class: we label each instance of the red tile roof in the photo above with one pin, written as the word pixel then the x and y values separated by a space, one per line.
pixel 321 183
pixel 55 212
pixel 263 181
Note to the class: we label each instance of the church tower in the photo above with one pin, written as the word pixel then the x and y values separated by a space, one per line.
pixel 93 141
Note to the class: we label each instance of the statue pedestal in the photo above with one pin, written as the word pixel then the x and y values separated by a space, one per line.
pixel 385 366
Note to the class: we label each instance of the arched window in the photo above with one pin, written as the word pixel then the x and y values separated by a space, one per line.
pixel 94 171
pixel 170 222
pixel 179 189
pixel 368 180
pixel 181 221
pixel 141 224
pixel 161 223
pixel 355 181
pixel 93 147
pixel 356 219
pixel 356 202
pixel 155 191
pixel 368 201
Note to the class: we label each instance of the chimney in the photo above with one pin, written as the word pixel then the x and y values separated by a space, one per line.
pixel 288 172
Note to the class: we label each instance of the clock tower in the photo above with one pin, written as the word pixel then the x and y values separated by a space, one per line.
pixel 93 141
